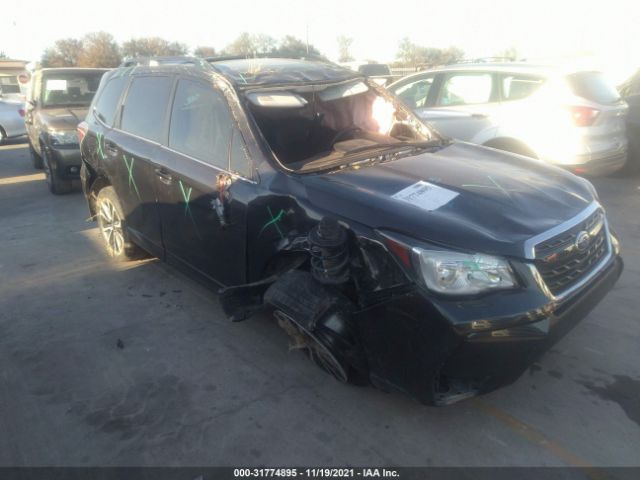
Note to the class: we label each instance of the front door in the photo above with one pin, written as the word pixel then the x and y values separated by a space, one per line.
pixel 202 205
pixel 132 149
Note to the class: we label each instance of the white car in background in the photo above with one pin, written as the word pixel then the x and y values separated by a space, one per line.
pixel 570 118
pixel 11 112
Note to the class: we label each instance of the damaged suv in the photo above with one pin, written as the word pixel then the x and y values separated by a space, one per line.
pixel 389 254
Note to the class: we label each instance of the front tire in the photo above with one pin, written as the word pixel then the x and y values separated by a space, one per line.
pixel 57 186
pixel 112 225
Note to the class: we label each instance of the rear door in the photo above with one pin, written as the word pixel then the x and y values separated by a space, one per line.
pixel 465 105
pixel 132 148
pixel 202 202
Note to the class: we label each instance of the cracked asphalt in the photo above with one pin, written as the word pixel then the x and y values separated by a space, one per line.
pixel 135 364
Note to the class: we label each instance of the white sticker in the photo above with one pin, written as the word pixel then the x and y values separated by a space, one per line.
pixel 56 84
pixel 425 195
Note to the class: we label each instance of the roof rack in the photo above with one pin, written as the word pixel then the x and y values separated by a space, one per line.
pixel 161 60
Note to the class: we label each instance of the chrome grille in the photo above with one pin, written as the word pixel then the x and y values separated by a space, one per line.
pixel 562 263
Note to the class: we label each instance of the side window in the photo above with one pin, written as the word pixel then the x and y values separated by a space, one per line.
pixel 145 106
pixel 466 89
pixel 107 103
pixel 415 93
pixel 516 87
pixel 201 123
pixel 240 162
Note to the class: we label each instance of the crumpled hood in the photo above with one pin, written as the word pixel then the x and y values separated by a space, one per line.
pixel 497 200
pixel 63 118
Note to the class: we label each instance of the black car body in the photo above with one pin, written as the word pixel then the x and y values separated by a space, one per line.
pixel 388 253
pixel 57 101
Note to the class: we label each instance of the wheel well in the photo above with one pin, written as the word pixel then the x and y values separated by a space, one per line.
pixel 511 145
pixel 92 194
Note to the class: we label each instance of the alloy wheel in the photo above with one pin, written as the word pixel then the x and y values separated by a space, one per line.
pixel 111 227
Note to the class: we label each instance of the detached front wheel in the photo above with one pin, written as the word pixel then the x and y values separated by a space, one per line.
pixel 112 225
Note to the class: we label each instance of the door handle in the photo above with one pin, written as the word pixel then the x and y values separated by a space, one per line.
pixel 110 148
pixel 164 176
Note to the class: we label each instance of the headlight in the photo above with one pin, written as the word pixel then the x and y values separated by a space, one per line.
pixel 454 273
pixel 64 138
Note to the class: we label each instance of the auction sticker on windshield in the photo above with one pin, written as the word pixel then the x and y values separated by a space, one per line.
pixel 425 195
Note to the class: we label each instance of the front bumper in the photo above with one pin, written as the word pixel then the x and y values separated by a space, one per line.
pixel 65 161
pixel 423 345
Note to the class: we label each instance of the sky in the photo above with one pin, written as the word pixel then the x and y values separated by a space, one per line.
pixel 602 33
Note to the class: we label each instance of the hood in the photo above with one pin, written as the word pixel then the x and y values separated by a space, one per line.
pixel 476 199
pixel 63 118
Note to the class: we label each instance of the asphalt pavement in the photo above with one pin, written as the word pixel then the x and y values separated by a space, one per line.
pixel 134 364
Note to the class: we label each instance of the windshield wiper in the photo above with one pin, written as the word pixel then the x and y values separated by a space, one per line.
pixel 393 145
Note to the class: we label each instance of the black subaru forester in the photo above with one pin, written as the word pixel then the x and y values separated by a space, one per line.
pixel 389 254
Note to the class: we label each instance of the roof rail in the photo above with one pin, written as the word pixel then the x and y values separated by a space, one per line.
pixel 483 60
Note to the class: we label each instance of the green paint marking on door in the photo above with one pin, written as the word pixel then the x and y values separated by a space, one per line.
pixel 274 221
pixel 186 195
pixel 132 181
pixel 99 140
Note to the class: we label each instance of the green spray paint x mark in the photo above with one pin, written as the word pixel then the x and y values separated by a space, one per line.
pixel 274 221
pixel 99 139
pixel 186 195
pixel 132 181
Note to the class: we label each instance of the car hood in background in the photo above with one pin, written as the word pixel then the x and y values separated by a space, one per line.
pixel 497 200
pixel 63 118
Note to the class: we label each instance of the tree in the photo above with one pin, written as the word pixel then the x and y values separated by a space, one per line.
pixel 65 53
pixel 412 55
pixel 152 47
pixel 510 53
pixel 204 52
pixel 293 47
pixel 264 44
pixel 243 46
pixel 99 49
pixel 344 44
pixel 3 55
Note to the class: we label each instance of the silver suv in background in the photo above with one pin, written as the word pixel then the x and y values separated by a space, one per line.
pixel 571 118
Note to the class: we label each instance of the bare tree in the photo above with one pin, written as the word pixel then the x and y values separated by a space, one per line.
pixel 65 53
pixel 412 55
pixel 243 46
pixel 344 44
pixel 204 52
pixel 99 49
pixel 3 55
pixel 152 47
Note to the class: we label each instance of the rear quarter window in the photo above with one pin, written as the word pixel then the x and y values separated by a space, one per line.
pixel 107 102
pixel 593 86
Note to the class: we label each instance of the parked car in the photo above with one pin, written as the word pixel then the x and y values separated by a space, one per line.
pixel 11 119
pixel 630 91
pixel 570 118
pixel 57 101
pixel 386 252
pixel 378 72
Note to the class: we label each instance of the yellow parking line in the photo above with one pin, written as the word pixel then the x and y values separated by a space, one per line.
pixel 539 439
pixel 14 147
pixel 22 179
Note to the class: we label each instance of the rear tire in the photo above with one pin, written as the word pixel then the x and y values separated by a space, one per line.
pixel 57 186
pixel 36 160
pixel 112 225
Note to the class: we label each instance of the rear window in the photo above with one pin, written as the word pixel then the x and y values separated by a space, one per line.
pixel 593 86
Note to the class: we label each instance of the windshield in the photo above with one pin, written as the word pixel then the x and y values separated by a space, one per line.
pixel 331 125
pixel 69 88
